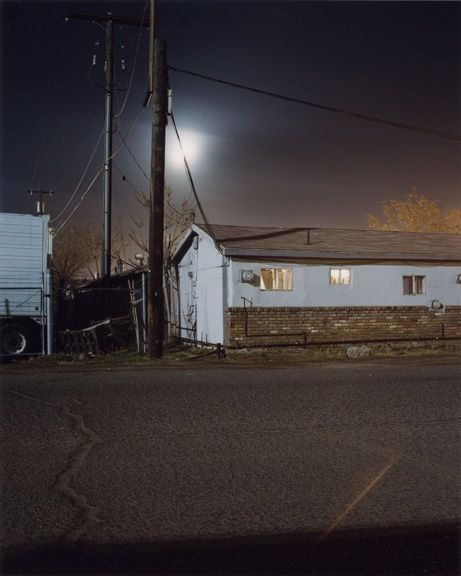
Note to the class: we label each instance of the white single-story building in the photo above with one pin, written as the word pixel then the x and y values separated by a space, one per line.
pixel 253 286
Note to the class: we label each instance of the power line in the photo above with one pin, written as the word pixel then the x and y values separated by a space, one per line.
pixel 136 161
pixel 117 150
pixel 130 129
pixel 357 115
pixel 90 185
pixel 81 179
pixel 194 190
pixel 133 68
pixel 110 20
pixel 138 195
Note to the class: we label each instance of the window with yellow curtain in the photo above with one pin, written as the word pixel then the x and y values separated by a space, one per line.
pixel 276 279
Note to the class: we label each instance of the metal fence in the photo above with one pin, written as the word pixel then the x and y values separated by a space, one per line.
pixel 19 305
pixel 20 301
pixel 96 303
pixel 137 288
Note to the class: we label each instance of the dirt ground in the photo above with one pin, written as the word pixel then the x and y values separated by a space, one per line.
pixel 186 355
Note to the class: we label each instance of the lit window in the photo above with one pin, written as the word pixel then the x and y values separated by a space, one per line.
pixel 414 285
pixel 340 276
pixel 276 279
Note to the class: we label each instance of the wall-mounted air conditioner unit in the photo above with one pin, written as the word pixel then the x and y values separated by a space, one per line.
pixel 247 276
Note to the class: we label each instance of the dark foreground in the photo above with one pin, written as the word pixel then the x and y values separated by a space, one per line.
pixel 348 468
pixel 413 550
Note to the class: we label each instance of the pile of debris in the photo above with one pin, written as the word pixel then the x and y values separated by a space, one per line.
pixel 100 338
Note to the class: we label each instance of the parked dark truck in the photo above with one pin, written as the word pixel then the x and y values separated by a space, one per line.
pixel 25 285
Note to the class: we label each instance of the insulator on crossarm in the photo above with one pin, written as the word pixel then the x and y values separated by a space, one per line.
pixel 94 60
pixel 123 64
pixel 170 101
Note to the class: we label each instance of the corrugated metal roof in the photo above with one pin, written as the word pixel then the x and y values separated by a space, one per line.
pixel 335 243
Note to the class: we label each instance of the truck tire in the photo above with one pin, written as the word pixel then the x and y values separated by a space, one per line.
pixel 15 339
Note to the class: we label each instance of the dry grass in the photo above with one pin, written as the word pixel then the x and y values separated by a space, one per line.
pixel 338 352
pixel 182 355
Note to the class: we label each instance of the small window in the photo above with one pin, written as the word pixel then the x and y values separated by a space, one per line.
pixel 276 279
pixel 408 285
pixel 340 276
pixel 413 285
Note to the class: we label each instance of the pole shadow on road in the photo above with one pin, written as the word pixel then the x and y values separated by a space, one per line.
pixel 411 550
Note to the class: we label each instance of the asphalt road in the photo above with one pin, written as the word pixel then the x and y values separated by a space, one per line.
pixel 324 468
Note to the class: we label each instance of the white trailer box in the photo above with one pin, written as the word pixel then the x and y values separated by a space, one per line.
pixel 25 304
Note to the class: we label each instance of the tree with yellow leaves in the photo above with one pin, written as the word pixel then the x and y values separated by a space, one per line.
pixel 416 213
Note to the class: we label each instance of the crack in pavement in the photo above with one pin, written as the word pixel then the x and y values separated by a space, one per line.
pixel 88 513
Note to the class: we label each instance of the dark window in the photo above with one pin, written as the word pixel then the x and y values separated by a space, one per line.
pixel 414 285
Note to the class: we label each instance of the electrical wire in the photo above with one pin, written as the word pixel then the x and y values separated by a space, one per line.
pixel 133 67
pixel 130 129
pixel 136 161
pixel 366 117
pixel 90 185
pixel 90 67
pixel 138 195
pixel 191 181
pixel 81 178
pixel 117 150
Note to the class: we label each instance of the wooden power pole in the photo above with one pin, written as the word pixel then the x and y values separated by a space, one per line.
pixel 155 303
pixel 109 19
pixel 107 244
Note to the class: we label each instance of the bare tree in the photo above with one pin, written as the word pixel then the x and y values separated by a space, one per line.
pixel 176 221
pixel 77 252
pixel 71 258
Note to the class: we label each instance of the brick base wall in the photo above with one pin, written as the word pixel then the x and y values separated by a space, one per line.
pixel 283 326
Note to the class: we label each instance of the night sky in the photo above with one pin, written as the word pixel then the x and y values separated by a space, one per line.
pixel 260 161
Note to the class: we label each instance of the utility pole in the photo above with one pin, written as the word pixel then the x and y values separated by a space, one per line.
pixel 108 151
pixel 109 19
pixel 155 303
pixel 41 202
pixel 151 47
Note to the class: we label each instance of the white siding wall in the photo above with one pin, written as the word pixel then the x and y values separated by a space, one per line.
pixel 187 316
pixel 372 285
pixel 22 253
pixel 23 263
pixel 210 283
pixel 201 291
